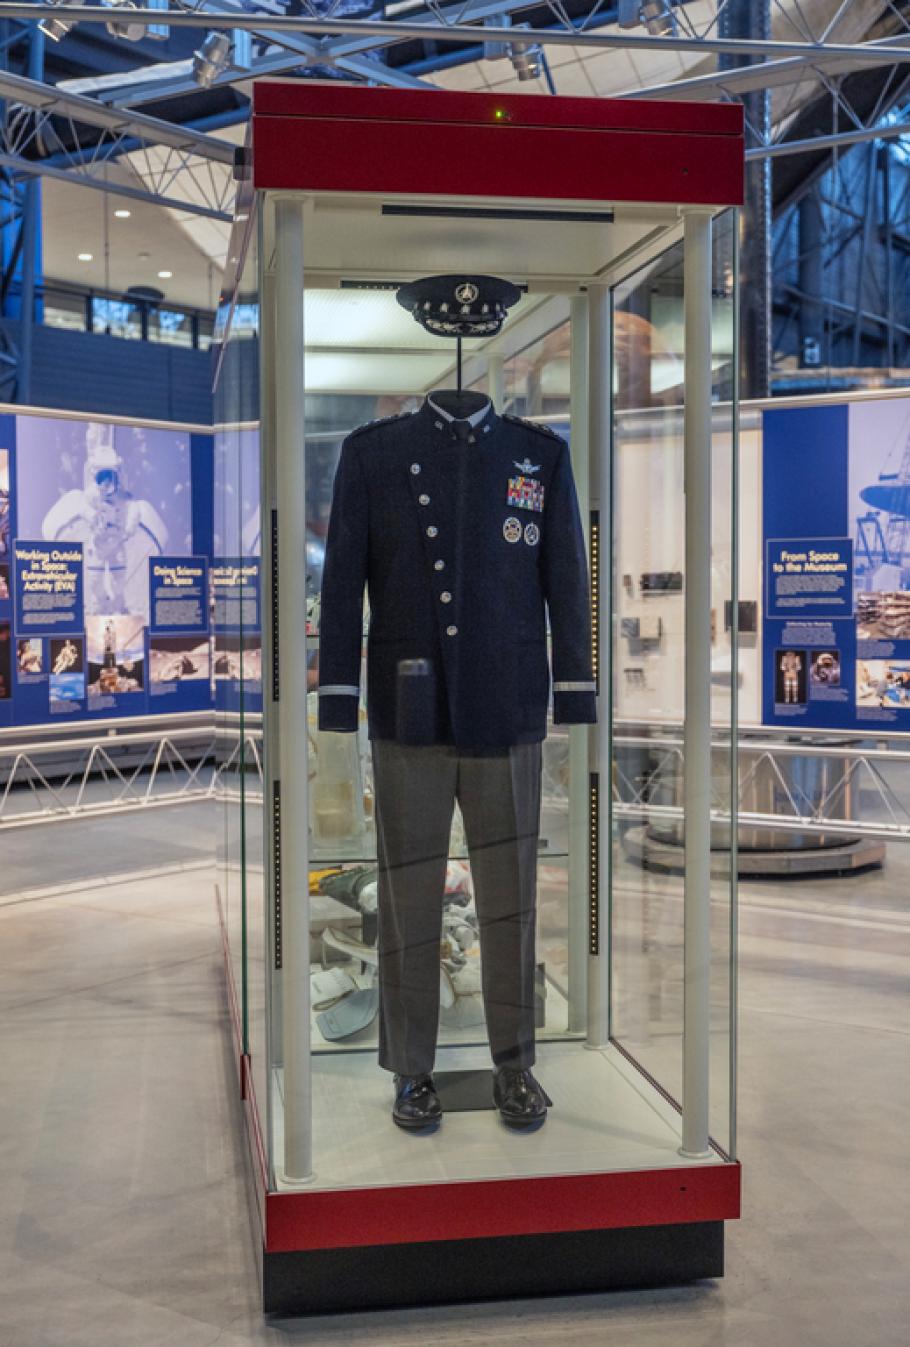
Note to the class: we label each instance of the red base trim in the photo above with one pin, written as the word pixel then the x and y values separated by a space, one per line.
pixel 417 1213
pixel 244 1076
pixel 426 1213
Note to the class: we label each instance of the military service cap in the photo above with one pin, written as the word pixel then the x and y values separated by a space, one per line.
pixel 459 306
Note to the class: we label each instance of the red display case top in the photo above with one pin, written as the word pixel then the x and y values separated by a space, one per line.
pixel 316 137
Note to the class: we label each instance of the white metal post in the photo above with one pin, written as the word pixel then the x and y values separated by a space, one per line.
pixel 578 734
pixel 290 482
pixel 600 381
pixel 496 383
pixel 697 731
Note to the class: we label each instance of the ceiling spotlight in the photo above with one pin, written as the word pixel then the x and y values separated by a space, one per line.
pixel 658 17
pixel 55 28
pixel 165 275
pixel 85 257
pixel 123 214
pixel 527 60
pixel 135 32
pixel 212 59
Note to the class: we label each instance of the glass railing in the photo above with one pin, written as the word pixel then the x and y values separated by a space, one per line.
pixel 127 316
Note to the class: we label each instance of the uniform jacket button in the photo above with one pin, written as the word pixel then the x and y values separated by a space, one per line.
pixel 451 631
pixel 424 499
pixel 415 468
pixel 438 565
pixel 445 597
pixel 432 531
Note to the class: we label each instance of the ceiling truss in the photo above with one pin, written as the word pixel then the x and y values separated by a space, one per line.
pixel 89 140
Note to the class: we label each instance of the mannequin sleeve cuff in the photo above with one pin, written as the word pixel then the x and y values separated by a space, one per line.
pixel 574 706
pixel 339 709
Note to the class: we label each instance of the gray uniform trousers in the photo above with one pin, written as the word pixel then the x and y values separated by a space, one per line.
pixel 498 792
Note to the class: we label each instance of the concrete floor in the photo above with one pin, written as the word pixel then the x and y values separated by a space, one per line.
pixel 123 1210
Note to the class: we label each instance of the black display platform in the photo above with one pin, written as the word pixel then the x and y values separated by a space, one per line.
pixel 382 1276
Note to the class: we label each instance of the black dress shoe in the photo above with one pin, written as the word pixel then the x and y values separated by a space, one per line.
pixel 521 1100
pixel 416 1103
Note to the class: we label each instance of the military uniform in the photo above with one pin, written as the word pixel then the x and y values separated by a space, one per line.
pixel 466 534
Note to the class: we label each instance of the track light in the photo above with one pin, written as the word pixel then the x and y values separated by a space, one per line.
pixel 658 17
pixel 212 59
pixel 135 32
pixel 55 28
pixel 655 15
pixel 527 60
pixel 526 57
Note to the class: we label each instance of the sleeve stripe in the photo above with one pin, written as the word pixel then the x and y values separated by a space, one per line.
pixel 575 687
pixel 339 690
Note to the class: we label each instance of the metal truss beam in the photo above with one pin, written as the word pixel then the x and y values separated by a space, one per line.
pixel 835 141
pixel 163 150
pixel 37 168
pixel 884 51
pixel 52 102
pixel 345 54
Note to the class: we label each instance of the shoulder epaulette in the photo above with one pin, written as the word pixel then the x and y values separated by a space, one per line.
pixel 380 421
pixel 531 425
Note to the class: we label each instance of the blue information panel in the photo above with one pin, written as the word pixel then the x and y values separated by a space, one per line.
pixel 836 528
pixel 47 583
pixel 105 534
pixel 237 625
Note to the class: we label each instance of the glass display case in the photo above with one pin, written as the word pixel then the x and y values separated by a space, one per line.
pixel 496 890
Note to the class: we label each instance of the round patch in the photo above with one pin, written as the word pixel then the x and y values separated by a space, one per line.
pixel 532 534
pixel 511 530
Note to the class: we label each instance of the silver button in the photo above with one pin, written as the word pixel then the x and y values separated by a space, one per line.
pixel 445 597
pixel 432 531
pixel 439 425
pixel 415 468
pixel 438 565
pixel 424 499
pixel 451 631
pixel 486 430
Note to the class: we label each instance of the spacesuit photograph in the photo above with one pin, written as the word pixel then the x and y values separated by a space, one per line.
pixel 118 532
pixel 116 654
pixel 30 656
pixel 4 503
pixel 790 677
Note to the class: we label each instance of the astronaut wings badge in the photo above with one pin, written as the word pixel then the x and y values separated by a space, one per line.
pixel 525 493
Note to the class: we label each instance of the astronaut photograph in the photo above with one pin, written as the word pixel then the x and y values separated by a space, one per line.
pixel 116 654
pixel 4 503
pixel 236 480
pixel 824 670
pixel 66 659
pixel 30 656
pixel 237 656
pixel 178 659
pixel 5 661
pixel 790 668
pixel 122 491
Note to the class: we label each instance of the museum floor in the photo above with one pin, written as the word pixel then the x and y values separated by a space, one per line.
pixel 123 1212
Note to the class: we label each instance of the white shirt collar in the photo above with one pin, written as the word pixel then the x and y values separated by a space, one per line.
pixel 472 421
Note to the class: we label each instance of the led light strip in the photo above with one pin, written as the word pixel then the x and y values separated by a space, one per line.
pixel 276 868
pixel 595 597
pixel 593 865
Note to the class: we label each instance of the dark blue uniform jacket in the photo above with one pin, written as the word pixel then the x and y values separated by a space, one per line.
pixel 465 536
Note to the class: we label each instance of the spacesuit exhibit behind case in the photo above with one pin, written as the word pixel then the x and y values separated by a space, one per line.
pixel 464 527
